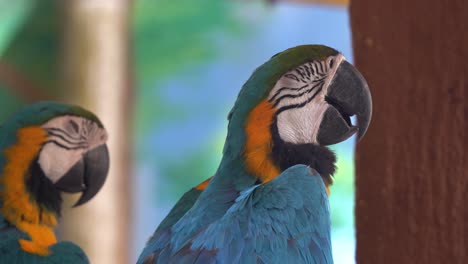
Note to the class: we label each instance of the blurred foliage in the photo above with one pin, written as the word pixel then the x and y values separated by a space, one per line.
pixel 34 49
pixel 342 190
pixel 12 16
pixel 10 103
pixel 189 169
pixel 169 36
pixel 29 45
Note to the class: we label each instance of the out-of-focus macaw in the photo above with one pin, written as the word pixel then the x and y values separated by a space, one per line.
pixel 45 149
pixel 267 202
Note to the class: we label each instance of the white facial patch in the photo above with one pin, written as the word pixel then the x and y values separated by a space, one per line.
pixel 299 97
pixel 69 138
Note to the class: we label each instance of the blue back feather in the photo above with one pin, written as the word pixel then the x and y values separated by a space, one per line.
pixel 284 221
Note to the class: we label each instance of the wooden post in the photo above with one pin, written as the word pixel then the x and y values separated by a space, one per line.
pixel 411 171
pixel 96 76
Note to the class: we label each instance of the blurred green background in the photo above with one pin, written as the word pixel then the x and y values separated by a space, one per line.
pixel 188 60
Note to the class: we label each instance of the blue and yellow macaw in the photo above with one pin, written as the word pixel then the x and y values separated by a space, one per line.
pixel 45 149
pixel 267 202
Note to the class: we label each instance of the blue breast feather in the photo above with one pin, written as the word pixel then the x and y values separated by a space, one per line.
pixel 286 220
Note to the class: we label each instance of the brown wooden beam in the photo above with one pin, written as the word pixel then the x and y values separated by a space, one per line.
pixel 411 168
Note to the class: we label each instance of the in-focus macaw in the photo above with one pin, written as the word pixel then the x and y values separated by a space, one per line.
pixel 267 202
pixel 45 149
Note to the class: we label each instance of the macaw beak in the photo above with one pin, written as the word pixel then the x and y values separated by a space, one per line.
pixel 87 175
pixel 348 95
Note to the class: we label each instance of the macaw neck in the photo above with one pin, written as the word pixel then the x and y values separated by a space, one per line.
pixel 247 160
pixel 229 180
pixel 257 153
pixel 42 190
pixel 18 207
pixel 233 174
pixel 254 149
pixel 220 194
pixel 286 154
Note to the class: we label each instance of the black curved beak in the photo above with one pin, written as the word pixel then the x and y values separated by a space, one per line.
pixel 348 95
pixel 87 175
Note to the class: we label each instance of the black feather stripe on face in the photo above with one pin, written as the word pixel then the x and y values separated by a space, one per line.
pixel 285 155
pixel 42 189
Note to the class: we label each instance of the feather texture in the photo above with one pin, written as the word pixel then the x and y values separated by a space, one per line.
pixel 12 253
pixel 286 220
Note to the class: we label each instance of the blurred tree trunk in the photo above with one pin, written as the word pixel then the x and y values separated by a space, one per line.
pixel 96 75
pixel 411 172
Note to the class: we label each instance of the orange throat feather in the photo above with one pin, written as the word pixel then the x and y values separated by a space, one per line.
pixel 259 144
pixel 19 208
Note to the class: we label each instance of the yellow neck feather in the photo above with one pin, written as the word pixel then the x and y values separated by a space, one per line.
pixel 259 143
pixel 18 206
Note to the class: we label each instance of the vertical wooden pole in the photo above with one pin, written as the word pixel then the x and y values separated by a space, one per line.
pixel 411 171
pixel 96 76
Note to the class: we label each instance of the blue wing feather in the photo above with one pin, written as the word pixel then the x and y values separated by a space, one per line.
pixel 286 220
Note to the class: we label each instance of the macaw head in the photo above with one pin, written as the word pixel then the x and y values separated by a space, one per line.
pixel 49 148
pixel 293 106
